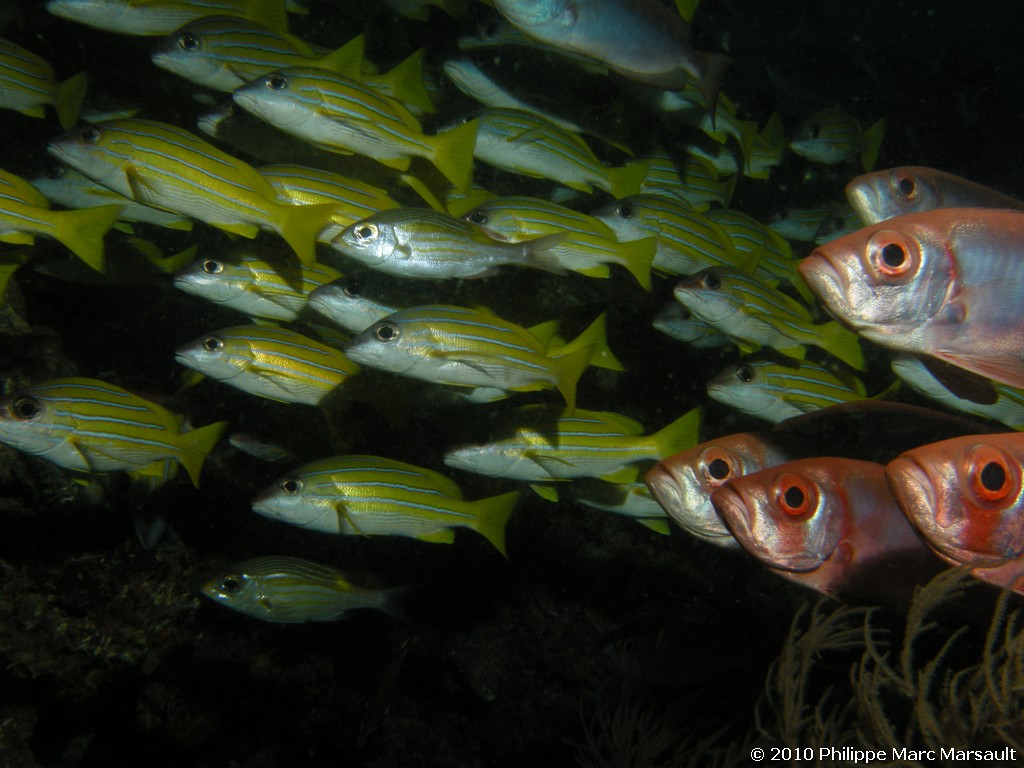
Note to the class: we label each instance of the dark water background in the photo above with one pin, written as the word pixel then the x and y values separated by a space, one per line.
pixel 106 653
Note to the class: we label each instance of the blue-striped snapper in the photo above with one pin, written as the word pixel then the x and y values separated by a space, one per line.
pixel 92 426
pixel 275 363
pixel 167 167
pixel 370 495
pixel 290 590
pixel 27 85
pixel 475 348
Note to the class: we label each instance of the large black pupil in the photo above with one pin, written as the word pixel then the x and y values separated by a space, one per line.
pixel 718 469
pixel 893 255
pixel 793 497
pixel 744 374
pixel 907 186
pixel 993 476
pixel 711 281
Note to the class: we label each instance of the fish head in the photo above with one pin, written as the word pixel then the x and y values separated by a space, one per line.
pixel 87 150
pixel 964 495
pixel 498 459
pixel 275 98
pixel 238 591
pixel 371 241
pixel 33 423
pixel 791 517
pixel 188 53
pixel 625 217
pixel 683 483
pixel 826 137
pixel 217 355
pixel 744 387
pixel 389 345
pixel 883 195
pixel 297 500
pixel 706 294
pixel 531 13
pixel 216 280
pixel 886 280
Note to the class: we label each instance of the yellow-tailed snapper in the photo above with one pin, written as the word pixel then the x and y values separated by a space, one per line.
pixel 275 363
pixel 92 426
pixel 375 496
pixel 833 136
pixel 27 85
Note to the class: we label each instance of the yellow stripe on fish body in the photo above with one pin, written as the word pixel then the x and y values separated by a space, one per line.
pixel 341 115
pixel 775 392
pixel 25 213
pixel 693 180
pixel 543 443
pixel 532 146
pixel 353 199
pixel 161 17
pixel 249 283
pixel 291 590
pixel 275 363
pixel 833 136
pixel 370 495
pixel 767 248
pixel 225 53
pixel 167 167
pixel 687 241
pixel 589 246
pixel 753 312
pixel 27 84
pixel 67 187
pixel 470 348
pixel 92 426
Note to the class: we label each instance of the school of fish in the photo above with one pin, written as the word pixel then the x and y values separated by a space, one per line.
pixel 437 171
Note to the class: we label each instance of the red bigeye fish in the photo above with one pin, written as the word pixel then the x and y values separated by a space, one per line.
pixel 947 283
pixel 827 523
pixel 683 483
pixel 965 496
pixel 914 189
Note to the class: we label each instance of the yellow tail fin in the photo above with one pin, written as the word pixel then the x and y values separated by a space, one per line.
pixel 872 143
pixel 626 180
pixel 601 355
pixel 82 232
pixel 299 225
pixel 843 343
pixel 198 444
pixel 569 368
pixel 405 82
pixel 681 434
pixel 637 256
pixel 346 61
pixel 453 154
pixel 492 516
pixel 68 101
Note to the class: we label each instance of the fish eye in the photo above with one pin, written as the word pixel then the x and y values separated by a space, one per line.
pixel 993 475
pixel 213 344
pixel 488 30
pixel 56 171
pixel 352 289
pixel 212 267
pixel 230 584
pixel 794 495
pixel 366 233
pixel 277 82
pixel 291 485
pixel 386 332
pixel 745 374
pixel 891 255
pixel 717 466
pixel 26 408
pixel 188 42
pixel 477 217
pixel 906 188
pixel 815 131
pixel 89 135
pixel 624 210
pixel 712 281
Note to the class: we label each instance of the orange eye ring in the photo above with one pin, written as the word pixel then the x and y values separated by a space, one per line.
pixel 794 495
pixel 892 255
pixel 994 476
pixel 716 466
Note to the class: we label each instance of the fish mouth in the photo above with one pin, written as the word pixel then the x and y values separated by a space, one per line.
pixel 914 491
pixel 863 199
pixel 820 274
pixel 739 516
